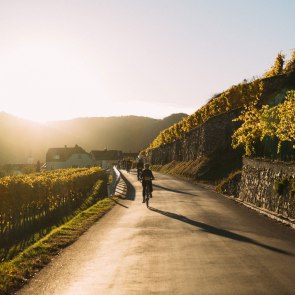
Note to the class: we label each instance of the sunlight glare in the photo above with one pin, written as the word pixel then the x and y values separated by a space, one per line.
pixel 48 82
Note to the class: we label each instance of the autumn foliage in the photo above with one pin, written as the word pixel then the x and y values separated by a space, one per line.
pixel 259 121
pixel 277 123
pixel 34 200
pixel 236 97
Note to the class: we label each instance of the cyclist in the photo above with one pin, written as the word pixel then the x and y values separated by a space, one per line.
pixel 128 165
pixel 147 177
pixel 139 167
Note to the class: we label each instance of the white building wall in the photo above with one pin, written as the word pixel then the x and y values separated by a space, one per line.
pixel 55 165
pixel 76 160
pixel 80 160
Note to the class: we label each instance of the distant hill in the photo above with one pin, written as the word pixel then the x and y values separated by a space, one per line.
pixel 22 140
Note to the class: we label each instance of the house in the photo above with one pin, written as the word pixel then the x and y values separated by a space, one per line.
pixel 68 157
pixel 106 158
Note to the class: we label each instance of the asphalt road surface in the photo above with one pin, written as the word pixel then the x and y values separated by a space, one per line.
pixel 191 241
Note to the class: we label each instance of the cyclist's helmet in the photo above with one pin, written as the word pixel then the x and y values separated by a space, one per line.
pixel 146 165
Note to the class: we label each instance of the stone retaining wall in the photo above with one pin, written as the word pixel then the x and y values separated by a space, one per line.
pixel 209 138
pixel 259 186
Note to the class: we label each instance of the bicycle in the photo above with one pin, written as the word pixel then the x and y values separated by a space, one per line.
pixel 148 193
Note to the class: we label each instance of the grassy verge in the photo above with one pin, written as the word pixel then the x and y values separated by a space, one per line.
pixel 17 241
pixel 187 169
pixel 208 169
pixel 14 273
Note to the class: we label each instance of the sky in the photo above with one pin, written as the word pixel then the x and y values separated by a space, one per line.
pixel 90 58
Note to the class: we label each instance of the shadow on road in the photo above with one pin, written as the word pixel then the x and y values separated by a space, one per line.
pixel 219 231
pixel 173 190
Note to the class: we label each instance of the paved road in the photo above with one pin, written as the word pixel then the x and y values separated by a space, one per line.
pixel 192 241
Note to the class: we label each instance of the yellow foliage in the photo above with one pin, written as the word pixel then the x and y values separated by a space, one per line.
pixel 235 97
pixel 276 122
pixel 278 66
pixel 24 198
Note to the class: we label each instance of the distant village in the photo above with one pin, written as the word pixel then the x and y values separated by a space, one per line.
pixel 72 157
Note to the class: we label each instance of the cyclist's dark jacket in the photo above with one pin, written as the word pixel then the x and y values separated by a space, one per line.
pixel 148 173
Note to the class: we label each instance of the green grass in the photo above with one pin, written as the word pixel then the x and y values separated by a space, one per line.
pixel 14 273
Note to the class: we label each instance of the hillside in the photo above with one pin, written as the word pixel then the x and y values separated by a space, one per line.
pixel 200 145
pixel 270 89
pixel 21 139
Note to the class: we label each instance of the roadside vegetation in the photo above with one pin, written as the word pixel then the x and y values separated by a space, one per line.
pixel 15 273
pixel 263 126
pixel 32 203
pixel 41 213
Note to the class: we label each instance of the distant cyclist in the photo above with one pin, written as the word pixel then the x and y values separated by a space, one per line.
pixel 128 165
pixel 139 167
pixel 147 177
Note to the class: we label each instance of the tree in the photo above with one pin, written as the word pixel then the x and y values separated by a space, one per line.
pixel 277 67
pixel 276 122
pixel 290 65
pixel 285 130
pixel 250 131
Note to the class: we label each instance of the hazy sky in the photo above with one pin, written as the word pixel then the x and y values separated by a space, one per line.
pixel 83 58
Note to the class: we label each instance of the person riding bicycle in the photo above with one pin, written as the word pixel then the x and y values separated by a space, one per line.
pixel 128 165
pixel 139 167
pixel 147 177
